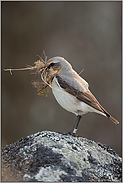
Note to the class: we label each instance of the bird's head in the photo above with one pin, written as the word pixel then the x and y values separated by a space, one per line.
pixel 57 65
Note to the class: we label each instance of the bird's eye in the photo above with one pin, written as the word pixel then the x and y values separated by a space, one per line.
pixel 51 65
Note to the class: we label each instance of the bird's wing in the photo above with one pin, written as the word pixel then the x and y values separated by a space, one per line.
pixel 86 97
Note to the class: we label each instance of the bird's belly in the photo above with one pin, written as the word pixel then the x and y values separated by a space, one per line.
pixel 66 100
pixel 70 102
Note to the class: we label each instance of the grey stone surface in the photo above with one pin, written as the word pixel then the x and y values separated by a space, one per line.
pixel 50 156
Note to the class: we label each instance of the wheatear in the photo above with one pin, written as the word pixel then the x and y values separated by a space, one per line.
pixel 71 91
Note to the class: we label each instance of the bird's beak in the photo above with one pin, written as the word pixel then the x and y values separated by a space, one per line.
pixel 48 64
pixel 47 69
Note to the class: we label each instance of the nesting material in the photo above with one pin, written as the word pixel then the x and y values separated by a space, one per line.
pixel 40 67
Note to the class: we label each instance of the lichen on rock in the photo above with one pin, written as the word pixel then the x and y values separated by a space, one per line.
pixel 50 156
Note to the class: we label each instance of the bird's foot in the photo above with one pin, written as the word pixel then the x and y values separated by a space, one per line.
pixel 71 133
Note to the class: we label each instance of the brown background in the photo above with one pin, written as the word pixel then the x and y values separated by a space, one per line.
pixel 88 35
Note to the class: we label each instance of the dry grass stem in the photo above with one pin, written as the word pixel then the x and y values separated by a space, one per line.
pixel 81 71
pixel 40 67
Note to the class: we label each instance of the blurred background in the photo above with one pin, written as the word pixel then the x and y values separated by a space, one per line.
pixel 88 35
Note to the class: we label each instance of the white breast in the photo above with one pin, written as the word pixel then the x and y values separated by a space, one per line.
pixel 66 100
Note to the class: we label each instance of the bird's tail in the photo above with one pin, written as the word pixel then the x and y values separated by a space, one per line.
pixel 113 120
pixel 109 116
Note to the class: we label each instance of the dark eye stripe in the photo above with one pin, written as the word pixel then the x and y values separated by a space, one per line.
pixel 51 65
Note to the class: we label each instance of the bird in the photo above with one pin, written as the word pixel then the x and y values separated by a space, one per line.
pixel 72 92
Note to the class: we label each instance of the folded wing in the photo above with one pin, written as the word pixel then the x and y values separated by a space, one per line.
pixel 86 97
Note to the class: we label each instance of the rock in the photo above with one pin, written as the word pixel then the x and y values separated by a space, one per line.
pixel 50 156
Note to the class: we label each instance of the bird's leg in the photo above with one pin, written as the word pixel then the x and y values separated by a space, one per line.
pixel 77 119
pixel 75 129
